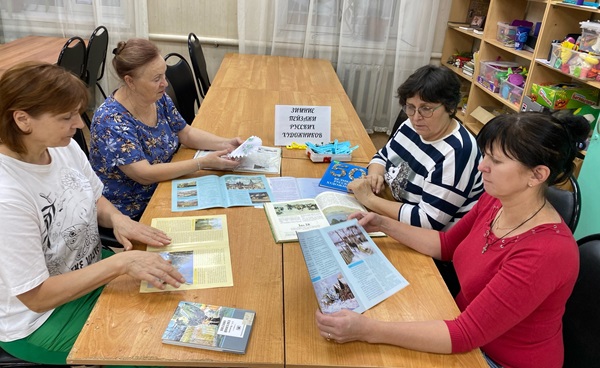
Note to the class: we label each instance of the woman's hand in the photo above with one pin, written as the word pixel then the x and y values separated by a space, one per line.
pixel 370 221
pixel 377 182
pixel 126 229
pixel 218 160
pixel 151 267
pixel 343 326
pixel 362 190
pixel 232 143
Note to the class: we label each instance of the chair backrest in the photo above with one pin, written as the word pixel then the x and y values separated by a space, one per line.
pixel 79 137
pixel 73 56
pixel 567 202
pixel 96 57
pixel 181 78
pixel 581 321
pixel 199 64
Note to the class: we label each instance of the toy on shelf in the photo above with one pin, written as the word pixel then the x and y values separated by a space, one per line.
pixel 511 88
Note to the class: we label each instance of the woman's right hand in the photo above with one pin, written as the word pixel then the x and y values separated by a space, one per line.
pixel 150 266
pixel 218 160
pixel 371 221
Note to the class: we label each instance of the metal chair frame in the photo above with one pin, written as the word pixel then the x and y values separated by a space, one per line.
pixel 199 64
pixel 181 79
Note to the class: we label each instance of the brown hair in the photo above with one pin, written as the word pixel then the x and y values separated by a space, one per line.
pixel 133 54
pixel 36 88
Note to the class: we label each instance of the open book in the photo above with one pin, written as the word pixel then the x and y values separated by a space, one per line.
pixel 212 327
pixel 347 269
pixel 199 250
pixel 326 208
pixel 219 191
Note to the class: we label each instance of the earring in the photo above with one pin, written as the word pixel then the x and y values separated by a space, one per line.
pixel 529 185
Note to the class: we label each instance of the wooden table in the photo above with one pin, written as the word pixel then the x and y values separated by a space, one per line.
pixel 125 326
pixel 247 88
pixel 30 48
pixel 426 298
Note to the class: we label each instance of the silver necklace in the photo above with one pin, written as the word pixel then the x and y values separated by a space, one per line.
pixel 488 231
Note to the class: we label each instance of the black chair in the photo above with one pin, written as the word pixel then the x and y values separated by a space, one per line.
pixel 199 64
pixel 581 321
pixel 7 360
pixel 96 57
pixel 181 78
pixel 567 202
pixel 73 57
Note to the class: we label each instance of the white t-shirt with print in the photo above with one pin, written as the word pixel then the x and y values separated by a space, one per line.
pixel 49 226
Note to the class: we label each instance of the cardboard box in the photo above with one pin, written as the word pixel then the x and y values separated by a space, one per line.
pixel 483 114
pixel 529 105
pixel 564 95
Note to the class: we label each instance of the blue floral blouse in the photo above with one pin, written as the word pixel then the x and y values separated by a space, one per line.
pixel 118 138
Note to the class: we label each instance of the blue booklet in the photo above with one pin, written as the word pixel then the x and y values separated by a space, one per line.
pixel 212 327
pixel 339 174
pixel 220 191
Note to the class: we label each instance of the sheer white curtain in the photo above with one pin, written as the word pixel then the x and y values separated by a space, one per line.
pixel 374 45
pixel 124 19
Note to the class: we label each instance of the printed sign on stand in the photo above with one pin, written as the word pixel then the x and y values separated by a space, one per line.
pixel 302 124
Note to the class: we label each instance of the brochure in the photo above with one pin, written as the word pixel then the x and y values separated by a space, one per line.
pixel 339 174
pixel 266 160
pixel 219 191
pixel 347 269
pixel 199 250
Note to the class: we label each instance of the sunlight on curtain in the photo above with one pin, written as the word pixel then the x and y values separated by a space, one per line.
pixel 124 19
pixel 373 45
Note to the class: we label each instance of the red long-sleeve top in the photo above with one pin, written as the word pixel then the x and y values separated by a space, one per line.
pixel 512 299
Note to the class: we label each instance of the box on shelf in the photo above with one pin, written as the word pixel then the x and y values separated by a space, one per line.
pixel 590 36
pixel 511 92
pixel 564 95
pixel 529 105
pixel 578 64
pixel 506 34
pixel 483 114
pixel 492 73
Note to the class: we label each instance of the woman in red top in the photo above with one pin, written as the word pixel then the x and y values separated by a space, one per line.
pixel 515 257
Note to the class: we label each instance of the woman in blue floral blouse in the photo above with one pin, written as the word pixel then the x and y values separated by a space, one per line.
pixel 137 130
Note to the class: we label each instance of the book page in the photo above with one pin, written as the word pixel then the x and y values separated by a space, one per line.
pixel 288 217
pixel 347 269
pixel 338 206
pixel 199 250
pixel 287 188
pixel 246 190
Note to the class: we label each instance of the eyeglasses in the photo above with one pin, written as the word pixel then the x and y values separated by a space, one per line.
pixel 424 111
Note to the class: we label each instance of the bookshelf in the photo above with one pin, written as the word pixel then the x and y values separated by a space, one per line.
pixel 557 20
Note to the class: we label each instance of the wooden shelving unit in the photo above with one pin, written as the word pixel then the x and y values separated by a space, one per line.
pixel 557 19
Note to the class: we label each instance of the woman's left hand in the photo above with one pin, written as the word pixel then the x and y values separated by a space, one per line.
pixel 343 326
pixel 126 229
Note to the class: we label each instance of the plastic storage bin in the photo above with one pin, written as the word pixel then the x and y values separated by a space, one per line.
pixel 578 64
pixel 590 37
pixel 511 92
pixel 506 34
pixel 492 73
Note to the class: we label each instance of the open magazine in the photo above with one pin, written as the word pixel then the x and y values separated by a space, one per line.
pixel 219 191
pixel 347 269
pixel 199 250
pixel 330 207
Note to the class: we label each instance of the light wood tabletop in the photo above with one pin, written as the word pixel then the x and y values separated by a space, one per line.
pixel 30 48
pixel 241 101
pixel 125 326
pixel 425 298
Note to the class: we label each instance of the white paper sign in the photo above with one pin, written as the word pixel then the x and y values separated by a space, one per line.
pixel 302 124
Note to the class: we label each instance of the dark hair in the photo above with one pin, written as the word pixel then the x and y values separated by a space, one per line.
pixel 535 138
pixel 432 84
pixel 133 54
pixel 36 88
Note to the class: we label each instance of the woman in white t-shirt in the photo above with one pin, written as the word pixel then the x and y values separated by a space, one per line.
pixel 53 266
